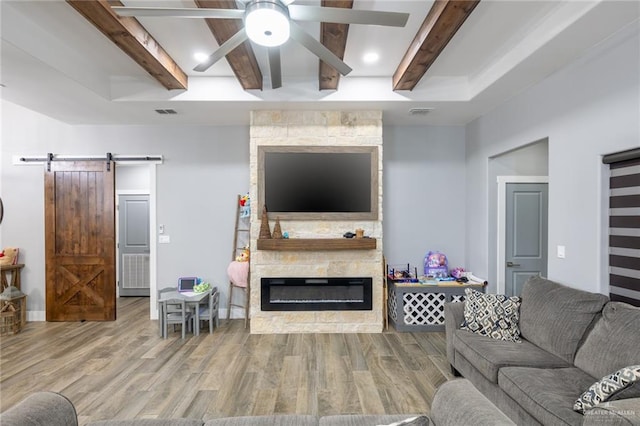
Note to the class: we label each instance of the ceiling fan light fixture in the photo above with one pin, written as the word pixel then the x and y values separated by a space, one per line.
pixel 267 22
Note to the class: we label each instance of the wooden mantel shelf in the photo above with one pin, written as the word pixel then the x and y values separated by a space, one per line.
pixel 317 244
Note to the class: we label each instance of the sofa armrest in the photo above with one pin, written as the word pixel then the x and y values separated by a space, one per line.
pixel 614 413
pixel 41 408
pixel 453 317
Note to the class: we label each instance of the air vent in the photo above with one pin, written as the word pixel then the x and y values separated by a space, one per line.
pixel 420 111
pixel 166 111
pixel 135 271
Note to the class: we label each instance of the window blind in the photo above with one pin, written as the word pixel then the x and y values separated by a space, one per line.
pixel 624 231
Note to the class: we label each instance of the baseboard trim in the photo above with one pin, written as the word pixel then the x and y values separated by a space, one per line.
pixel 36 316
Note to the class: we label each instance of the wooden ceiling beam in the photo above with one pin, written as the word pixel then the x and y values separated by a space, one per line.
pixel 130 36
pixel 333 37
pixel 242 59
pixel 442 22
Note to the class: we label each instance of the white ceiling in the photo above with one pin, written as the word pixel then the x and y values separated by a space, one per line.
pixel 57 63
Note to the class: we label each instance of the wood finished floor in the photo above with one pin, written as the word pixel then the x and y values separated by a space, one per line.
pixel 123 369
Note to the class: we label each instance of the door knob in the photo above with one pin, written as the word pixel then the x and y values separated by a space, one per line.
pixel 511 264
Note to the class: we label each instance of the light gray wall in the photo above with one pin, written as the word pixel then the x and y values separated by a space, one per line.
pixel 586 110
pixel 130 177
pixel 424 194
pixel 204 169
pixel 22 189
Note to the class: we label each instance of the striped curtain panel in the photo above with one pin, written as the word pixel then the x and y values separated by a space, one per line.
pixel 624 229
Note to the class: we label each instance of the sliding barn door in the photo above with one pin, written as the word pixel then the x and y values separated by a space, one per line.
pixel 80 241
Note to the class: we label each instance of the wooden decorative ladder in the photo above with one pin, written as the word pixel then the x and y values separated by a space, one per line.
pixel 241 237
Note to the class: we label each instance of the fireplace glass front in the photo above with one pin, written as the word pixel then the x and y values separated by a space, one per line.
pixel 316 294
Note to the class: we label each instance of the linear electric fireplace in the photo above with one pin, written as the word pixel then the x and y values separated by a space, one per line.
pixel 316 294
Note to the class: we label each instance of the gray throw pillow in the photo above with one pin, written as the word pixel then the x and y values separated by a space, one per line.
pixel 493 315
pixel 605 388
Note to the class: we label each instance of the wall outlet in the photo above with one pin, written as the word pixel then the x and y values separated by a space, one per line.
pixel 164 239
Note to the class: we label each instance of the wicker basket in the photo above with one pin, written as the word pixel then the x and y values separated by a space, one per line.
pixel 10 319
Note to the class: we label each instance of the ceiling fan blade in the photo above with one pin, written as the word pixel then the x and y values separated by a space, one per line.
pixel 274 67
pixel 340 15
pixel 235 41
pixel 177 12
pixel 315 47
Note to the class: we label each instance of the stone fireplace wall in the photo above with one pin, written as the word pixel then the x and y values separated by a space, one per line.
pixel 317 128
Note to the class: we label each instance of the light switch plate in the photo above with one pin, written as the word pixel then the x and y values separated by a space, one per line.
pixel 164 239
pixel 561 252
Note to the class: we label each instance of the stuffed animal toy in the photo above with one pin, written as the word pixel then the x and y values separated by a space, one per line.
pixel 243 256
pixel 9 256
pixel 245 206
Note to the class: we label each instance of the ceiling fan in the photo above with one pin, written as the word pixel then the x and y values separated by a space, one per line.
pixel 271 23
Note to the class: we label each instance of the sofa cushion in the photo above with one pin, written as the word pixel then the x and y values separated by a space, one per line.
pixel 546 394
pixel 273 420
pixel 147 422
pixel 605 388
pixel 374 420
pixel 489 355
pixel 493 315
pixel 613 342
pixel 567 312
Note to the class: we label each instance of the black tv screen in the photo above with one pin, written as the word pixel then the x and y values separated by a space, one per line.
pixel 320 183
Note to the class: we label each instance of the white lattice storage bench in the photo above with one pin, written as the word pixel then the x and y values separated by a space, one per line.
pixel 420 307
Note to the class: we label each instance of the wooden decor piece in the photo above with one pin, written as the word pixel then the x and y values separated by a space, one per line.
pixel 14 270
pixel 277 230
pixel 317 244
pixel 265 232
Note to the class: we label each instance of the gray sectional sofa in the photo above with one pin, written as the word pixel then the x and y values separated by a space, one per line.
pixel 455 403
pixel 570 339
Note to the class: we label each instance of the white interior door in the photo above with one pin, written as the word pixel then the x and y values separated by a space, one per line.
pixel 134 245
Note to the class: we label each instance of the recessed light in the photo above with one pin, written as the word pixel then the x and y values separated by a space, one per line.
pixel 370 57
pixel 200 56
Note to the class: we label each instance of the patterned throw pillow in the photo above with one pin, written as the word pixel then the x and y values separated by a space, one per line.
pixel 413 421
pixel 493 315
pixel 605 388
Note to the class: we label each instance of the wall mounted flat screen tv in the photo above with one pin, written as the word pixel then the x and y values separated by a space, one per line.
pixel 319 183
